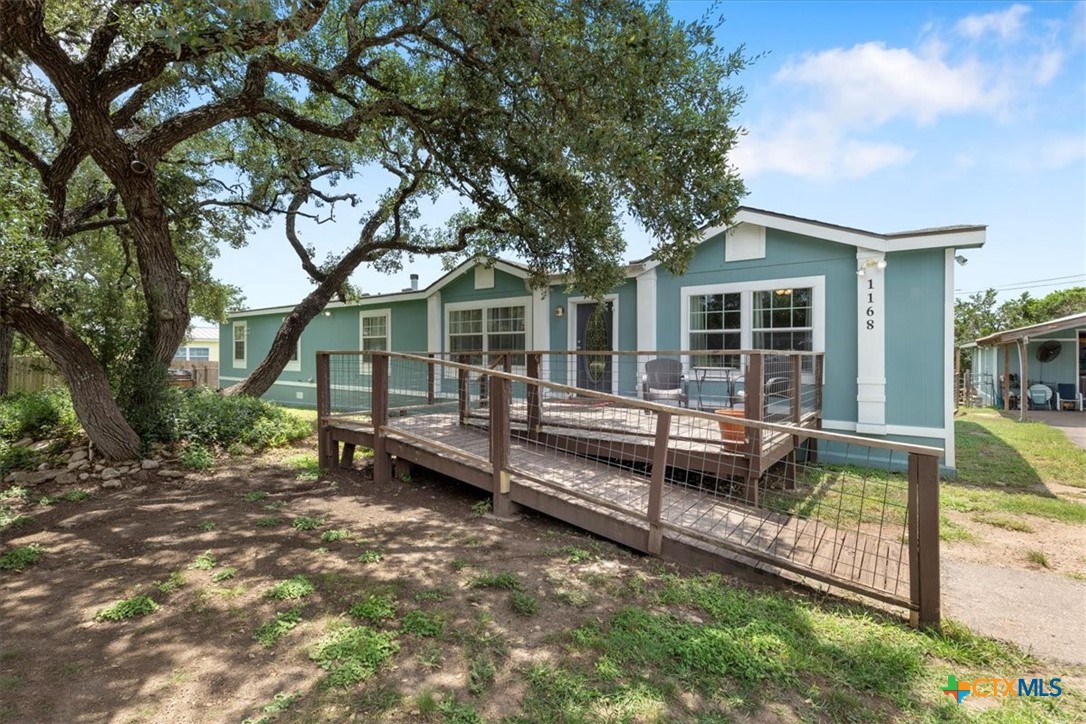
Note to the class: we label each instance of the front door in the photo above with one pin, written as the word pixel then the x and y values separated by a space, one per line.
pixel 595 333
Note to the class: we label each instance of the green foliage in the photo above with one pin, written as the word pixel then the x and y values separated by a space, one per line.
pixel 15 492
pixel 371 556
pixel 453 712
pixel 269 521
pixel 353 653
pixel 204 562
pixel 478 510
pixel 15 457
pixel 979 315
pixel 375 608
pixel 305 523
pixel 577 555
pixel 523 603
pixel 128 608
pixel 280 626
pixel 10 519
pixel 38 415
pixel 204 416
pixel 334 536
pixel 422 623
pixel 306 466
pixel 481 671
pixel 505 580
pixel 72 496
pixel 290 589
pixel 20 558
pixel 271 711
pixel 175 581
pixel 254 497
pixel 197 457
pixel 224 574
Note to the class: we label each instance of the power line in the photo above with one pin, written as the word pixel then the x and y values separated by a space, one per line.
pixel 1026 286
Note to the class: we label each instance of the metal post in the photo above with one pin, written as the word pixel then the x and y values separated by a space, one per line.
pixel 923 513
pixel 430 367
pixel 656 485
pixel 382 461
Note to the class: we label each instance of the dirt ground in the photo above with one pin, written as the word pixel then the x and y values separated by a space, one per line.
pixel 194 659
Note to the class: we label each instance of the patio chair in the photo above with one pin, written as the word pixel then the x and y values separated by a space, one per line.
pixel 664 380
pixel 1067 394
pixel 1039 396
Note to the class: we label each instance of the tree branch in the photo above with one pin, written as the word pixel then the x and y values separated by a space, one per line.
pixel 18 148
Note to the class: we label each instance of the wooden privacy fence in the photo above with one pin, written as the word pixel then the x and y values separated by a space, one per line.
pixel 783 496
pixel 30 374
pixel 204 373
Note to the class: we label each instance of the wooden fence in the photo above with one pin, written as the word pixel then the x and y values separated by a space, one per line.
pixel 30 374
pixel 205 374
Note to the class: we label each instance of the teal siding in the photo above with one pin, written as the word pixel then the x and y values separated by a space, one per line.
pixel 625 332
pixel 787 256
pixel 462 289
pixel 915 354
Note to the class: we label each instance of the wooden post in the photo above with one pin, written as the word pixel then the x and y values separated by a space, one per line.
pixel 754 384
pixel 326 446
pixel 462 392
pixel 535 400
pixel 795 384
pixel 382 461
pixel 499 446
pixel 654 544
pixel 812 443
pixel 923 516
pixel 430 367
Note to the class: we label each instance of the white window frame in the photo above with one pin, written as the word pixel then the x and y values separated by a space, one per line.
pixel 243 360
pixel 364 366
pixel 185 353
pixel 485 305
pixel 746 291
pixel 296 364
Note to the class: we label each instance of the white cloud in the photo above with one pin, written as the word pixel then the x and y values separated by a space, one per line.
pixel 1007 24
pixel 870 84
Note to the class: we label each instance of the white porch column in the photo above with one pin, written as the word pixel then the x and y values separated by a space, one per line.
pixel 646 317
pixel 870 342
pixel 541 329
pixel 433 322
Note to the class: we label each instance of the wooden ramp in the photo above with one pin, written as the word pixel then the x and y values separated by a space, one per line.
pixel 579 479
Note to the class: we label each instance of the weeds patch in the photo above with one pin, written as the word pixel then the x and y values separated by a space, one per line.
pixel 334 536
pixel 21 558
pixel 224 574
pixel 204 562
pixel 126 609
pixel 280 626
pixel 422 624
pixel 290 589
pixel 305 523
pixel 353 653
pixel 506 581
pixel 375 609
pixel 278 705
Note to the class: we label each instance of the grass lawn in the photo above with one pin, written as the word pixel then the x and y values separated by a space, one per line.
pixel 1004 467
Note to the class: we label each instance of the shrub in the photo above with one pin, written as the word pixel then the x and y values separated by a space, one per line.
pixel 40 415
pixel 15 457
pixel 18 559
pixel 196 457
pixel 205 416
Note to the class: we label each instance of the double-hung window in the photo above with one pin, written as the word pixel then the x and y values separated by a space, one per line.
pixel 196 354
pixel 374 331
pixel 777 315
pixel 241 330
pixel 481 331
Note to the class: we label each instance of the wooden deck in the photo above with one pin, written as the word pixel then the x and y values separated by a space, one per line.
pixel 586 478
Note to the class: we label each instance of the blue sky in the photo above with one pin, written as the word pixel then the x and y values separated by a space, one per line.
pixel 884 116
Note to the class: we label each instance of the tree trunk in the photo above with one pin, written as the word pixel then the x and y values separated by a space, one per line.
pixel 7 344
pixel 286 339
pixel 92 397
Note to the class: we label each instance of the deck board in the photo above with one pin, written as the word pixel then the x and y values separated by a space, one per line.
pixel 809 546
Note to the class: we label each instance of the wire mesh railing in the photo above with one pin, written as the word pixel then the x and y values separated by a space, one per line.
pixel 744 471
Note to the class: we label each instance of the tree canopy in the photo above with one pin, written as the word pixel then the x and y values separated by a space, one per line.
pixel 175 125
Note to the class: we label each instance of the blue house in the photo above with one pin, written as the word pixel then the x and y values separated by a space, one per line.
pixel 878 306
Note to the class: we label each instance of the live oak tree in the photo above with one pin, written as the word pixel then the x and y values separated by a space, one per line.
pixel 547 121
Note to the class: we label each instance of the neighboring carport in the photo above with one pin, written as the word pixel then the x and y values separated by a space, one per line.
pixel 1020 339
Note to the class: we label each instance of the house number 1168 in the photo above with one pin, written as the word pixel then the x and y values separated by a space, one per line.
pixel 870 300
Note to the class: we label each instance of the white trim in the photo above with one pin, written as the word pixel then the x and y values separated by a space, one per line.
pixel 541 322
pixel 935 433
pixel 386 312
pixel 949 384
pixel 296 365
pixel 744 242
pixel 646 315
pixel 746 307
pixel 433 323
pixel 239 361
pixel 571 336
pixel 870 341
